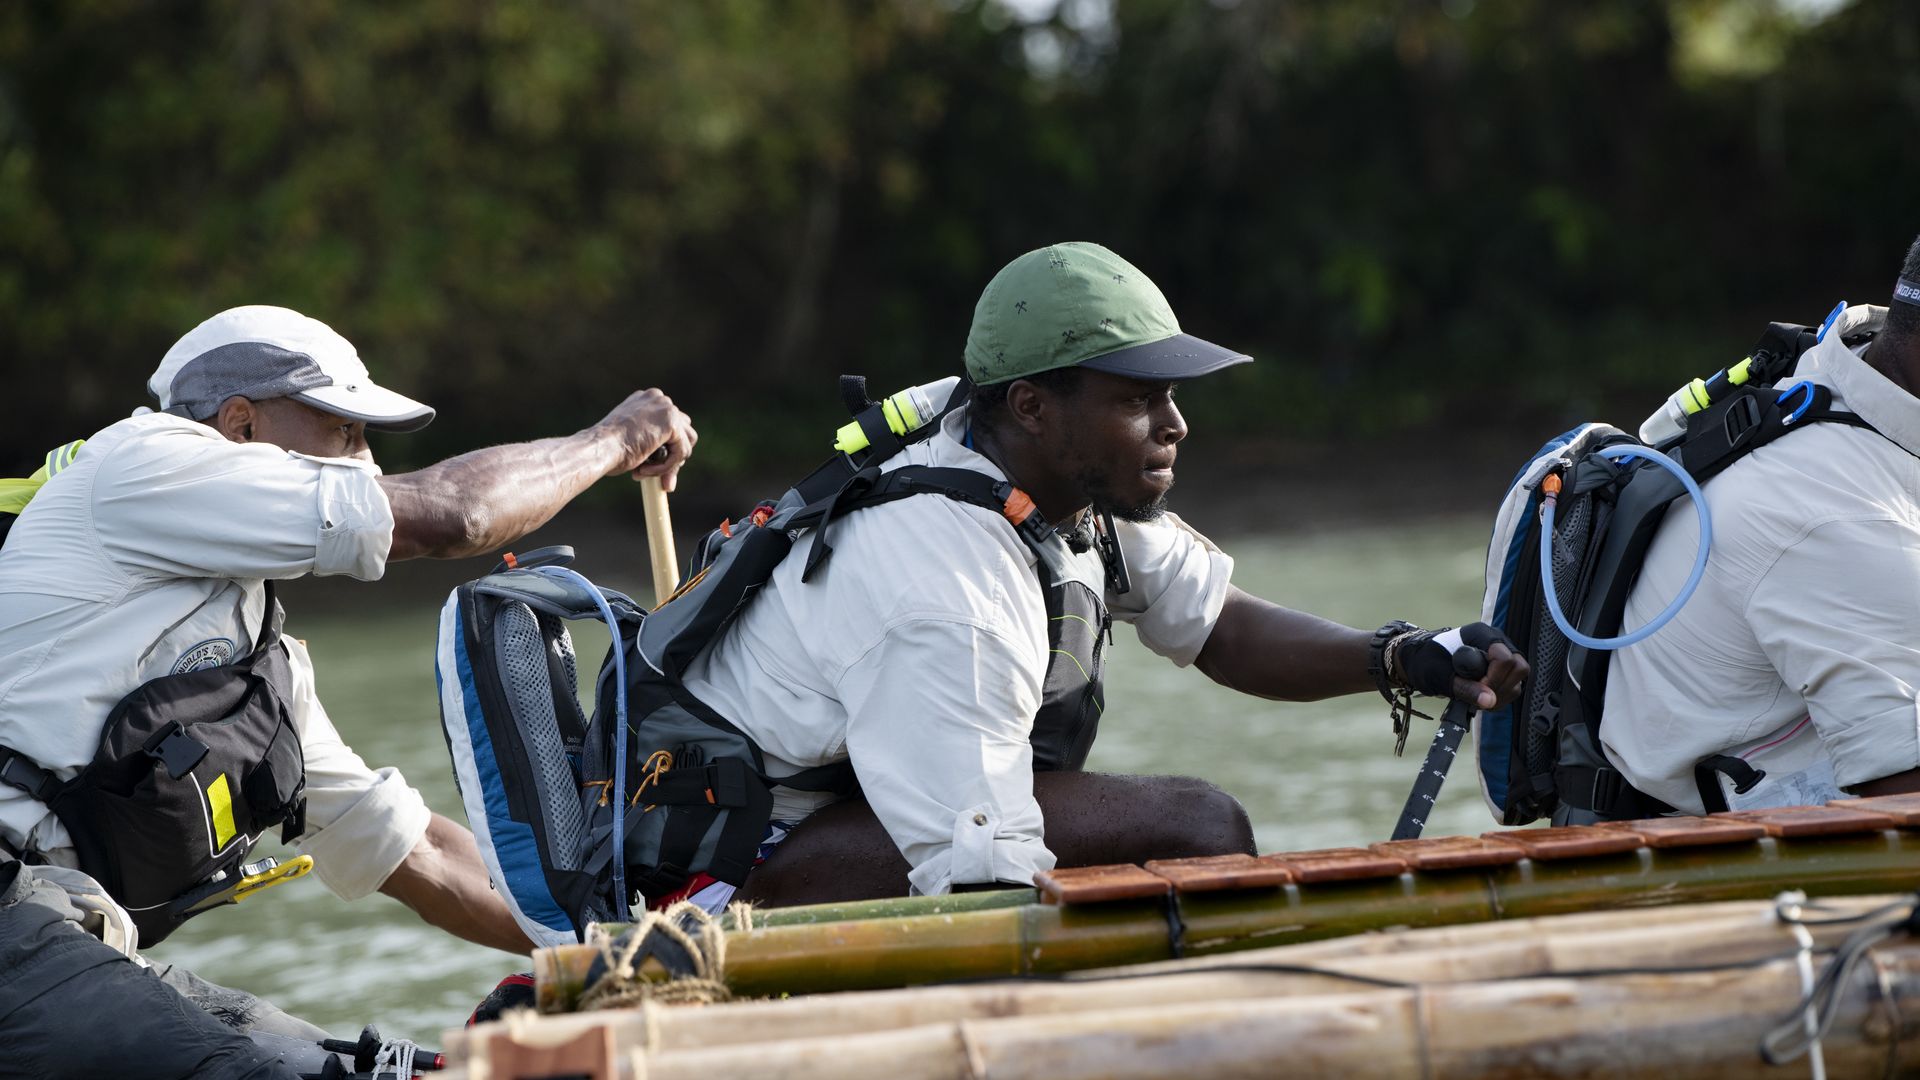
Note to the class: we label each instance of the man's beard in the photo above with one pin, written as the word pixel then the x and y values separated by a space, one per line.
pixel 1098 488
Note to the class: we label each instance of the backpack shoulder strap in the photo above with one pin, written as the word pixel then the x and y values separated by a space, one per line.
pixel 870 487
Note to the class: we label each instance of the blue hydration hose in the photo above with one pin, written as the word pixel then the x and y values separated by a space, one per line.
pixel 1686 591
pixel 620 737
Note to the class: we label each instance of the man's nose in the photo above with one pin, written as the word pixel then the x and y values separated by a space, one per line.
pixel 1173 426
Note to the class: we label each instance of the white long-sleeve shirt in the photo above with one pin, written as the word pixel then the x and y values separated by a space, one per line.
pixel 918 652
pixel 1800 652
pixel 147 556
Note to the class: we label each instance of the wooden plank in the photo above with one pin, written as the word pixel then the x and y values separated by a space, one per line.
pixel 1567 842
pixel 521 1051
pixel 1450 852
pixel 1904 809
pixel 1098 884
pixel 1337 864
pixel 1792 821
pixel 1678 832
pixel 1214 873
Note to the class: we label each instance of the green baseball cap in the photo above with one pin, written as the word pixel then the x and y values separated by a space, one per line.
pixel 1078 304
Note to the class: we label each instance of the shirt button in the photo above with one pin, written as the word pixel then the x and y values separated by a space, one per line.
pixel 979 819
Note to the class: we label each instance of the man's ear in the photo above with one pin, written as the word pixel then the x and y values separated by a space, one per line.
pixel 1028 405
pixel 235 419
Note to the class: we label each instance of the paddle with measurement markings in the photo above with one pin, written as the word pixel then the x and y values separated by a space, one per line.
pixel 1469 663
pixel 1433 771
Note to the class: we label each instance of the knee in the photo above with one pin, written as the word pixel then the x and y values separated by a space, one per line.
pixel 1201 819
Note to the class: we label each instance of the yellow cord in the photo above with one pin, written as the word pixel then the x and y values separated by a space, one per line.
pixel 657 765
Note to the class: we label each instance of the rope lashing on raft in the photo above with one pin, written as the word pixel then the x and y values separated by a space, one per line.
pixel 1800 1031
pixel 684 940
pixel 396 1056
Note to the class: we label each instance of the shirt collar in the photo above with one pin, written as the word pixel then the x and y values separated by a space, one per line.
pixel 950 446
pixel 1858 387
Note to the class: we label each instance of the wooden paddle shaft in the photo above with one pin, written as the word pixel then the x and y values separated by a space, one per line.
pixel 666 573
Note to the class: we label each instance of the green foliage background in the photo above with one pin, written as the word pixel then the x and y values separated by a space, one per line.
pixel 1515 212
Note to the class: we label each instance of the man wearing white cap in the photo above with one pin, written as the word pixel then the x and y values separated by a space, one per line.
pixel 136 593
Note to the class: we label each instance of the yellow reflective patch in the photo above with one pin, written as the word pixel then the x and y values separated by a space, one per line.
pixel 220 801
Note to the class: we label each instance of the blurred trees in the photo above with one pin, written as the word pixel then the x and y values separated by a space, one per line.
pixel 1412 212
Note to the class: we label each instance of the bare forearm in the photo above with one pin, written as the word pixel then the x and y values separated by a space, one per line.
pixel 1270 651
pixel 445 883
pixel 482 501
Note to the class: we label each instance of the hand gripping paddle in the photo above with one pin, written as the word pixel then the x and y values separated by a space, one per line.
pixel 1469 663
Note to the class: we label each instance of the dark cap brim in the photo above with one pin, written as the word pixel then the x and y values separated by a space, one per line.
pixel 1181 356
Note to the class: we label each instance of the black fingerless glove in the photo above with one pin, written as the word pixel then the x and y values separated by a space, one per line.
pixel 1405 658
pixel 1427 661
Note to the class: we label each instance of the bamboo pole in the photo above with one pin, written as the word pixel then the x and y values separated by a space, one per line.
pixel 1669 1026
pixel 1725 934
pixel 660 553
pixel 889 908
pixel 1044 938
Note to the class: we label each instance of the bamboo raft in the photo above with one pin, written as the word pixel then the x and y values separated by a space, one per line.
pixel 1553 983
pixel 1679 994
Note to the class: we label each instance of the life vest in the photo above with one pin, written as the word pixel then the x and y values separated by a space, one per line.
pixel 1540 755
pixel 539 778
pixel 17 492
pixel 192 768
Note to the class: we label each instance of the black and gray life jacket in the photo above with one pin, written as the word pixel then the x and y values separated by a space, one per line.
pixel 539 777
pixel 192 768
pixel 1540 755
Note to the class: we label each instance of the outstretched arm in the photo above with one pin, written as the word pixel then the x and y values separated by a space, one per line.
pixel 445 883
pixel 1269 651
pixel 1263 649
pixel 482 501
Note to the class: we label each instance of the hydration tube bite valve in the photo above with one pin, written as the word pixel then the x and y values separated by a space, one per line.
pixel 1550 488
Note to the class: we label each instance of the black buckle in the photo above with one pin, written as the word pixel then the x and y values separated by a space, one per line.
pixel 21 773
pixel 173 748
pixel 1607 786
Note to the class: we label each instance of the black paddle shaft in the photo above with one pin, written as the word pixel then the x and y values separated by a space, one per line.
pixel 1433 771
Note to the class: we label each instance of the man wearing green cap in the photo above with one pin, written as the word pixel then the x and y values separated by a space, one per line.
pixel 954 654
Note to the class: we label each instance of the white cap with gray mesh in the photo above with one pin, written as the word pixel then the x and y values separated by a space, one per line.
pixel 262 352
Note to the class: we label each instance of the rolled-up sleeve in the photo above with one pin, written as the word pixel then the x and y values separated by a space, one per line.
pixel 1179 584
pixel 361 822
pixel 939 714
pixel 356 520
pixel 1835 615
pixel 185 504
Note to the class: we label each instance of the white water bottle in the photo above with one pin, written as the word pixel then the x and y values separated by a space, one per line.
pixel 905 412
pixel 1668 420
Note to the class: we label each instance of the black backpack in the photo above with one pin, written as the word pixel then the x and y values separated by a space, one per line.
pixel 1540 755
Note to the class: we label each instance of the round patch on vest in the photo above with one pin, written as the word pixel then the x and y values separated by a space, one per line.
pixel 208 654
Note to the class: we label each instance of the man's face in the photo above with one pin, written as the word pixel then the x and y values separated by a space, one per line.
pixel 291 425
pixel 1117 445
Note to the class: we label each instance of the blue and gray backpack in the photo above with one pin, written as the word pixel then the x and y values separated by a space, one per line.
pixel 1540 756
pixel 574 812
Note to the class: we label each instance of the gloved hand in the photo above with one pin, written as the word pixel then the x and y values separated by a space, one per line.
pixel 1475 664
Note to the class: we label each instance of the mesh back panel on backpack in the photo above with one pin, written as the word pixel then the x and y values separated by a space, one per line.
pixel 522 648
